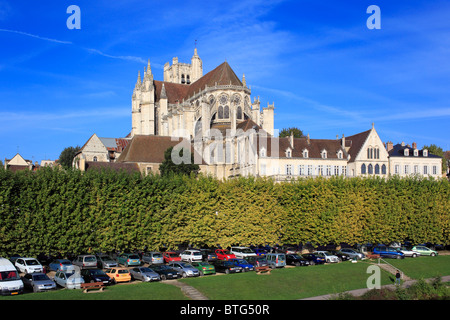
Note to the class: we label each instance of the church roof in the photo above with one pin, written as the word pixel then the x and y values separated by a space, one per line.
pixel 148 149
pixel 175 92
pixel 356 142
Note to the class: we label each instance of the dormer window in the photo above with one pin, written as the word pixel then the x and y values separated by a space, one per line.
pixel 416 152
pixel 324 154
pixel 406 152
pixel 425 153
pixel 289 153
pixel 305 153
pixel 339 154
pixel 262 153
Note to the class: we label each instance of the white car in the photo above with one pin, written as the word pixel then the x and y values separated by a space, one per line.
pixel 28 265
pixel 191 255
pixel 408 252
pixel 327 255
pixel 68 280
pixel 242 252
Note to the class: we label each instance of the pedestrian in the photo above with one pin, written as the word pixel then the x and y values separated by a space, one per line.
pixel 397 278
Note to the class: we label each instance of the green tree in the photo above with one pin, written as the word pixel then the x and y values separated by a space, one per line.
pixel 434 149
pixel 67 155
pixel 286 132
pixel 186 167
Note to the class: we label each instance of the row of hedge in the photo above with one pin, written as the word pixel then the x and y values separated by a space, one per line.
pixel 53 210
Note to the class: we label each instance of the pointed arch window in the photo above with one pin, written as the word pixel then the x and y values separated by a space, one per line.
pixel 226 112
pixel 363 169
pixel 370 169
pixel 239 112
pixel 220 112
pixel 377 169
pixel 383 169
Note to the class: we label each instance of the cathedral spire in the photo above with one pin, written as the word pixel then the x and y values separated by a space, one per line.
pixel 138 82
pixel 244 83
pixel 149 70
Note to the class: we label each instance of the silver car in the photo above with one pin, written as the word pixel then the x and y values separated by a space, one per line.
pixel 86 261
pixel 276 260
pixel 144 274
pixel 153 257
pixel 69 280
pixel 353 253
pixel 38 282
pixel 105 262
pixel 185 269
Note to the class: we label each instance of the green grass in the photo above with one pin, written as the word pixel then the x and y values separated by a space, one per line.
pixel 286 284
pixel 423 267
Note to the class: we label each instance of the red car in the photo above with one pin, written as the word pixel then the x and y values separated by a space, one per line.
pixel 224 254
pixel 171 256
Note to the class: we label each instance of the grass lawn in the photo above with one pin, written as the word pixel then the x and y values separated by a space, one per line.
pixel 287 283
pixel 423 267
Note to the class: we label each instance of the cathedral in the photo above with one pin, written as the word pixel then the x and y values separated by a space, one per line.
pixel 213 116
pixel 188 103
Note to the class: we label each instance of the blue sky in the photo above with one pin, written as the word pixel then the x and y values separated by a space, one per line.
pixel 326 72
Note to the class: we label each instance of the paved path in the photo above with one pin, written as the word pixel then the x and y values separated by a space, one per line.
pixel 360 292
pixel 188 290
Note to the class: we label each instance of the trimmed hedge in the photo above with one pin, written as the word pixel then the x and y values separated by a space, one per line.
pixel 54 210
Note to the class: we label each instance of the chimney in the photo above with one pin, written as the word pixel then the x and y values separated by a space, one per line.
pixel 389 146
pixel 343 141
pixel 291 140
pixel 307 139
pixel 414 145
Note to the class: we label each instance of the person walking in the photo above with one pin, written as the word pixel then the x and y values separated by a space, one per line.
pixel 398 278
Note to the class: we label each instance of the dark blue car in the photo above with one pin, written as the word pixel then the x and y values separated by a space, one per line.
pixel 388 252
pixel 246 266
pixel 313 259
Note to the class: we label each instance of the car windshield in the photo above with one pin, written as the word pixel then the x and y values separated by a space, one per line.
pixel 162 267
pixel 241 261
pixel 247 250
pixel 40 277
pixel 97 272
pixel 204 264
pixel 228 263
pixel 123 271
pixel 172 255
pixel 135 256
pixel 156 255
pixel 226 252
pixel 106 258
pixel 89 259
pixel 197 253
pixel 66 262
pixel 327 253
pixel 31 262
pixel 9 275
pixel 185 265
pixel 146 270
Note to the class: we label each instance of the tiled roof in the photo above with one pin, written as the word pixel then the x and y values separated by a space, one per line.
pixel 399 151
pixel 356 142
pixel 97 165
pixel 222 75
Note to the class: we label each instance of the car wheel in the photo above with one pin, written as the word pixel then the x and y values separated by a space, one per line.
pixel 184 275
pixel 163 277
pixel 227 271
pixel 297 264
pixel 414 255
pixel 432 254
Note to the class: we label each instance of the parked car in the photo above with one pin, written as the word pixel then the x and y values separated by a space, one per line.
pixel 260 251
pixel 185 269
pixel 170 256
pixel 352 253
pixel 28 265
pixel 242 252
pixel 341 255
pixel 119 274
pixel 388 252
pixel 258 261
pixel 38 282
pixel 166 272
pixel 14 257
pixel 226 267
pixel 10 282
pixel 96 275
pixel 313 259
pixel 86 261
pixel 327 255
pixel 153 258
pixel 296 260
pixel 208 255
pixel 129 259
pixel 191 255
pixel 276 260
pixel 68 280
pixel 246 266
pixel 408 252
pixel 61 265
pixel 224 254
pixel 204 267
pixel 144 274
pixel 104 261
pixel 424 251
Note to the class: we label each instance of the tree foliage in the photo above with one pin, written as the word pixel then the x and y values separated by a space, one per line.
pixel 67 155
pixel 186 165
pixel 53 210
pixel 286 132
